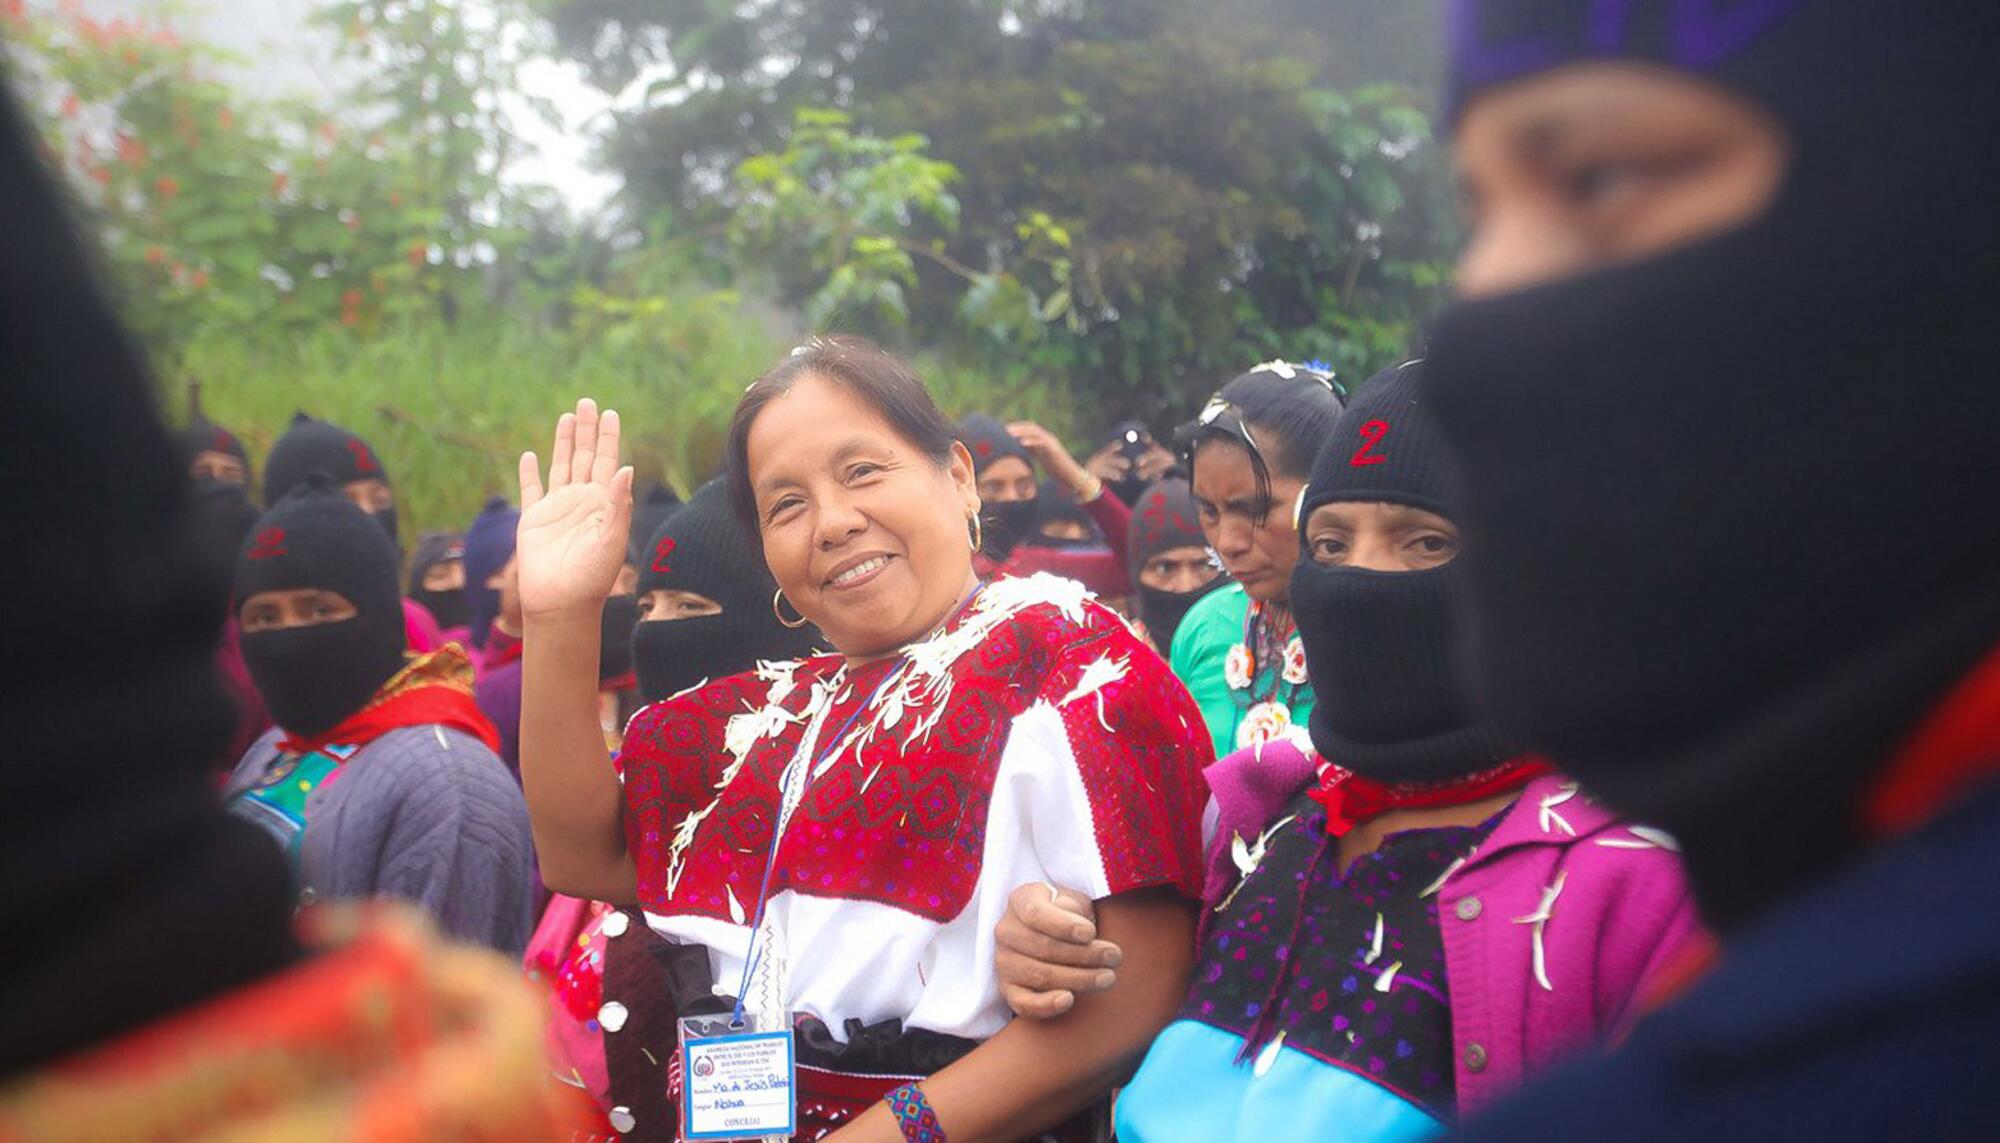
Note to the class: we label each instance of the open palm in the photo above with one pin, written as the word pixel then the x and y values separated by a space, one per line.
pixel 572 539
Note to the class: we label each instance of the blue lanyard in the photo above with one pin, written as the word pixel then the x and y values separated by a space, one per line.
pixel 751 954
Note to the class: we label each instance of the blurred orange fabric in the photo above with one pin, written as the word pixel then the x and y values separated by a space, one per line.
pixel 388 1034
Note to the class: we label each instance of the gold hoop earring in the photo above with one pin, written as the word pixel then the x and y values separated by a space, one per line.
pixel 978 536
pixel 777 609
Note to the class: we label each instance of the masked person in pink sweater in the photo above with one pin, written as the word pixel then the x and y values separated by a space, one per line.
pixel 1405 915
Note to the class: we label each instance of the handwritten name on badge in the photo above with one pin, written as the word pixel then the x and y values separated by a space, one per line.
pixel 738 1087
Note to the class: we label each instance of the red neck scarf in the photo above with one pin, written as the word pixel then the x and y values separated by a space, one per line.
pixel 434 690
pixel 1952 749
pixel 1351 799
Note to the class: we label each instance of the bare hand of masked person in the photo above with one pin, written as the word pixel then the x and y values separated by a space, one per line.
pixel 1154 462
pixel 571 544
pixel 1108 463
pixel 1049 952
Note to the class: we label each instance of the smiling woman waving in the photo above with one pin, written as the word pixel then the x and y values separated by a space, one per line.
pixel 838 835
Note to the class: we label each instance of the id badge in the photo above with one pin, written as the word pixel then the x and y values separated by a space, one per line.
pixel 737 1083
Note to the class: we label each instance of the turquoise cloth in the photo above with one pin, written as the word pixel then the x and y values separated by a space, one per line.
pixel 1192 1087
pixel 277 802
pixel 1201 646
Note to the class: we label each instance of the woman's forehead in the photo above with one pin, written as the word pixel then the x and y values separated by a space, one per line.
pixel 1221 468
pixel 811 425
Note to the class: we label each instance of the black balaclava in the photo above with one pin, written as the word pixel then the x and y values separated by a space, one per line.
pixel 702 549
pixel 1165 518
pixel 447 606
pixel 313 677
pixel 126 891
pixel 202 435
pixel 1005 523
pixel 220 516
pixel 1131 437
pixel 615 626
pixel 1730 510
pixel 489 544
pixel 1389 703
pixel 1056 505
pixel 621 612
pixel 310 446
pixel 649 511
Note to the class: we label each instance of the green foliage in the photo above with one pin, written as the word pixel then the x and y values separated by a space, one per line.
pixel 218 212
pixel 1066 211
pixel 1014 390
pixel 1147 195
pixel 843 217
pixel 428 86
pixel 845 209
pixel 450 408
pixel 364 261
pixel 175 170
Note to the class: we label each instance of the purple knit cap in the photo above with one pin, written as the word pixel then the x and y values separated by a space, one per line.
pixel 1494 41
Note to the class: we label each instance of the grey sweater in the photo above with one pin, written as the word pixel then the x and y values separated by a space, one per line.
pixel 424 813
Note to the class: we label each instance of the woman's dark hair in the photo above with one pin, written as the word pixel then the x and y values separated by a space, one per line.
pixel 862 368
pixel 1279 413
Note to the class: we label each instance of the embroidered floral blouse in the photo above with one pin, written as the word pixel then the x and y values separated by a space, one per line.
pixel 1035 738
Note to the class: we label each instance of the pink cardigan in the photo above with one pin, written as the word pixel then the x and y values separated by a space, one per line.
pixel 1623 913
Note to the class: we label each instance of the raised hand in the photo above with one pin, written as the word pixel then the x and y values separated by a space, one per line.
pixel 1053 457
pixel 571 543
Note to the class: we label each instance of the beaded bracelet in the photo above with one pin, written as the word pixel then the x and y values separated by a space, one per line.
pixel 914 1115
